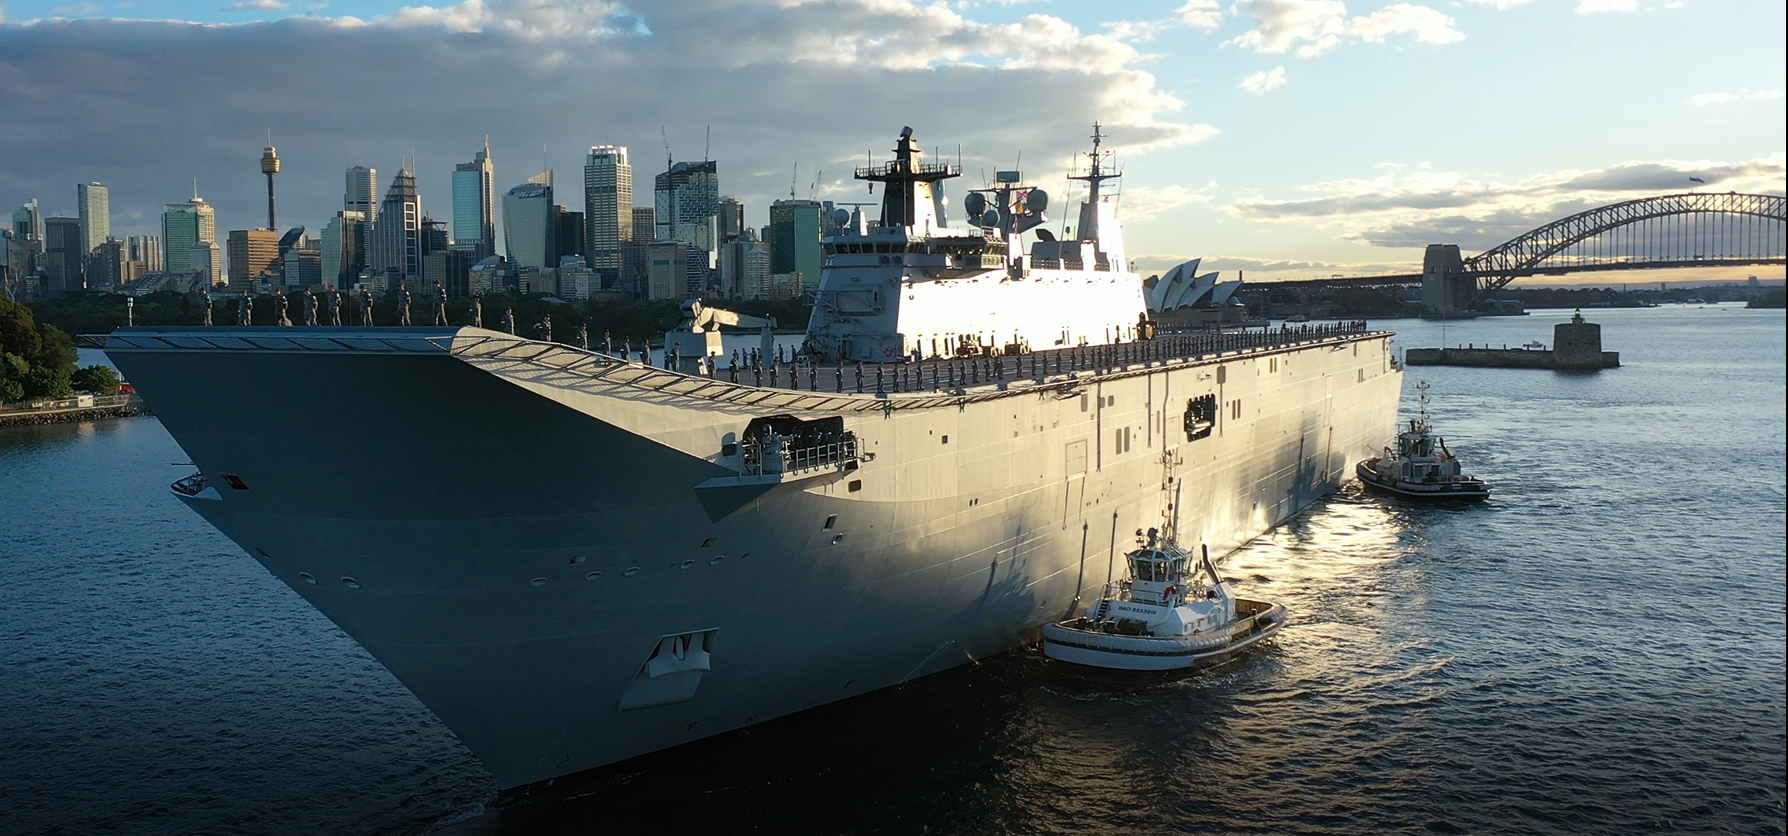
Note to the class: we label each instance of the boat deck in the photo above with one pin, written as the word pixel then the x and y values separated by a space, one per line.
pixel 919 384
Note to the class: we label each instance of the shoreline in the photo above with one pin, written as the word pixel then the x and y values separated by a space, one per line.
pixel 131 407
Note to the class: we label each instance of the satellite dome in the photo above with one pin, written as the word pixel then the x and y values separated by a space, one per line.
pixel 974 204
pixel 1036 201
pixel 841 216
pixel 990 217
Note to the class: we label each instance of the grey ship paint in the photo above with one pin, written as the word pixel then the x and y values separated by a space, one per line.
pixel 573 560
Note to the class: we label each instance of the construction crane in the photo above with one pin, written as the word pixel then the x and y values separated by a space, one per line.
pixel 696 339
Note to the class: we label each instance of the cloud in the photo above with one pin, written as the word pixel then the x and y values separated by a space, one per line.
pixel 1705 99
pixel 248 5
pixel 1241 266
pixel 1199 14
pixel 1501 5
pixel 1321 25
pixel 1424 24
pixel 1264 81
pixel 1145 203
pixel 1586 7
pixel 1413 207
pixel 815 83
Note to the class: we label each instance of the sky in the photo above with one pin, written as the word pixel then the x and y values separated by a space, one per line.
pixel 1285 138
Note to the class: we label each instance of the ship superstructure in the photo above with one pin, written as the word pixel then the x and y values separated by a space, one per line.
pixel 573 559
pixel 909 286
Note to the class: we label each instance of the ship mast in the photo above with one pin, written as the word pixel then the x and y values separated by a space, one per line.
pixel 1089 217
pixel 908 198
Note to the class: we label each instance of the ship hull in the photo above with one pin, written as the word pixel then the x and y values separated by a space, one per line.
pixel 515 541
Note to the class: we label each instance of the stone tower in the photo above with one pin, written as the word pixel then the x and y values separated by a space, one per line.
pixel 1578 345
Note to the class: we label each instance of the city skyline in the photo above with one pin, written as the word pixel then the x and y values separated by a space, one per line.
pixel 1283 137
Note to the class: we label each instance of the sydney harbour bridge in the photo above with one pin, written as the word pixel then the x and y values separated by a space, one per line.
pixel 1694 229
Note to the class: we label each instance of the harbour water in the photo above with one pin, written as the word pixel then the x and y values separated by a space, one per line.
pixel 1600 648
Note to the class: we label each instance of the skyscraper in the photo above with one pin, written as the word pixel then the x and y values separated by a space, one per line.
pixel 96 213
pixel 686 200
pixel 731 221
pixel 362 194
pixel 570 233
pixel 27 222
pixel 795 231
pixel 395 244
pixel 250 252
pixel 183 225
pixel 744 266
pixel 343 257
pixel 475 205
pixel 147 249
pixel 206 260
pixel 529 231
pixel 65 255
pixel 608 210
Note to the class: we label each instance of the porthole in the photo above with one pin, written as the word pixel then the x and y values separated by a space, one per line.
pixel 855 485
pixel 631 571
pixel 715 560
pixel 306 577
pixel 537 582
pixel 592 576
pixel 686 564
pixel 350 582
pixel 837 538
pixel 576 559
pixel 830 521
pixel 263 552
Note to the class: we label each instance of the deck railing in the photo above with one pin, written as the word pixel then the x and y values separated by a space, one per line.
pixel 943 374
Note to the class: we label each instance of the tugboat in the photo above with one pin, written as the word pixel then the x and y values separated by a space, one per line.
pixel 1163 617
pixel 1421 467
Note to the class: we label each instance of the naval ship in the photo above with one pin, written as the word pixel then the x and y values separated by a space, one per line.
pixel 574 558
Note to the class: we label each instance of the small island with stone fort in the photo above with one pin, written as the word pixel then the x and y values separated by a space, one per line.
pixel 1576 346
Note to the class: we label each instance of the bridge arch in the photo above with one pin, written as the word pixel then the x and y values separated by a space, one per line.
pixel 1736 229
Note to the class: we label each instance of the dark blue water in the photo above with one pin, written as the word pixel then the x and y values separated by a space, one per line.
pixel 1598 649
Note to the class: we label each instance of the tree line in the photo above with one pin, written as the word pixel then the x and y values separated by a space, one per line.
pixel 38 360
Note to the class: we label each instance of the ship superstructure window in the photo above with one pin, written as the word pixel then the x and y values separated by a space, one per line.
pixel 1201 417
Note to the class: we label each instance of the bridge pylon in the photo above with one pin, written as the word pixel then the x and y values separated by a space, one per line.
pixel 1446 288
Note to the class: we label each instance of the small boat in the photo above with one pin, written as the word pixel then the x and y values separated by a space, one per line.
pixel 1421 467
pixel 1536 345
pixel 1297 317
pixel 1164 617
